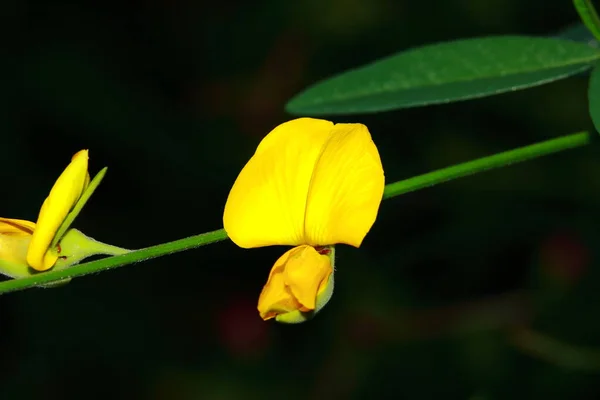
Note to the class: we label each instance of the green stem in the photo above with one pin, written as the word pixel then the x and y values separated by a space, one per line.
pixel 589 16
pixel 391 190
pixel 485 163
pixel 113 262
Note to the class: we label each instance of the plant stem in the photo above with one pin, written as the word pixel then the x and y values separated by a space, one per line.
pixel 113 262
pixel 485 163
pixel 391 190
pixel 589 16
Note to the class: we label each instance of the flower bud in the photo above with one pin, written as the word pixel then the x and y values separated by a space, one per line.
pixel 299 285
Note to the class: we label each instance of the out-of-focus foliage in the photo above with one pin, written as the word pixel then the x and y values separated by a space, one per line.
pixel 442 300
pixel 594 97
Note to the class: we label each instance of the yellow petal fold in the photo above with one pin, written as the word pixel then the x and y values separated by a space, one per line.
pixel 266 205
pixel 63 196
pixel 295 283
pixel 10 226
pixel 346 188
pixel 15 236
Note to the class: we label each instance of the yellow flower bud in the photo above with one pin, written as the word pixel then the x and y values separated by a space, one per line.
pixel 299 285
pixel 27 247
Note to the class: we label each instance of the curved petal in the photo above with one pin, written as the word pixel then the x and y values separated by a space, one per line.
pixel 295 283
pixel 64 194
pixel 323 297
pixel 266 205
pixel 275 297
pixel 306 272
pixel 346 188
pixel 19 227
pixel 15 236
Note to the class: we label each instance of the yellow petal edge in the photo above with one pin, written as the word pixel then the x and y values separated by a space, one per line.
pixel 63 196
pixel 346 188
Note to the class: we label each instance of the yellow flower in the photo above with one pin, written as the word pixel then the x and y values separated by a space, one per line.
pixel 24 244
pixel 310 184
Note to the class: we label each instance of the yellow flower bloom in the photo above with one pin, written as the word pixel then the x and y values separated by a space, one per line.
pixel 310 184
pixel 25 244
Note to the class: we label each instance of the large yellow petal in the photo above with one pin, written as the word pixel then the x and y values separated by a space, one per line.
pixel 346 188
pixel 63 196
pixel 266 205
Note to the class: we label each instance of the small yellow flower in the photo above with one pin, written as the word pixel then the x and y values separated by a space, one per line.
pixel 24 244
pixel 310 184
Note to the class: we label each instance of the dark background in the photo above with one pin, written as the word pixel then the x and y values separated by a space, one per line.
pixel 481 288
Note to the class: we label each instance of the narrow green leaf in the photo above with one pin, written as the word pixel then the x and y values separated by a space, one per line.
pixel 446 72
pixel 589 16
pixel 594 97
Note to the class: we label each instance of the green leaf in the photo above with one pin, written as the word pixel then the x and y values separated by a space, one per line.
pixel 446 72
pixel 588 15
pixel 594 98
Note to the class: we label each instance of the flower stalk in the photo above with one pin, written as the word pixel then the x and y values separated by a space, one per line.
pixel 391 190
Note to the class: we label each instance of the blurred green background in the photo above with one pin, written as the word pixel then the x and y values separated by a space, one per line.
pixel 481 288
